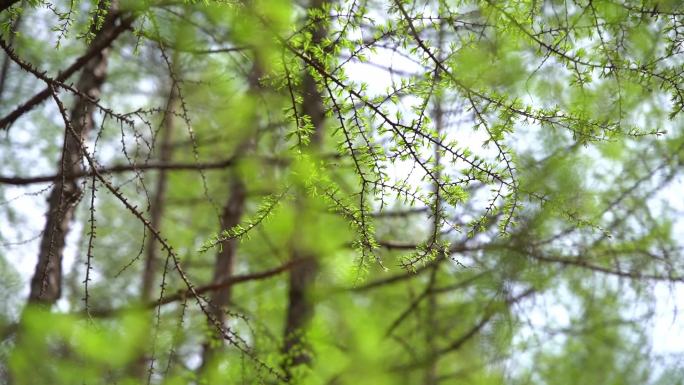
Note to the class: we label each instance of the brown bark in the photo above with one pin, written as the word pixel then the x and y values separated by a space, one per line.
pixel 157 206
pixel 225 263
pixel 6 4
pixel 6 63
pixel 158 201
pixel 300 308
pixel 431 317
pixel 299 312
pixel 46 284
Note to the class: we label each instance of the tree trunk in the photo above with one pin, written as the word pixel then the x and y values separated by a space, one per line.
pixel 5 4
pixel 431 318
pixel 224 264
pixel 302 275
pixel 299 311
pixel 225 259
pixel 157 206
pixel 6 63
pixel 46 284
pixel 158 202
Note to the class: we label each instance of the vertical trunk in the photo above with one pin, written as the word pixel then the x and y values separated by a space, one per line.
pixel 46 284
pixel 224 263
pixel 6 62
pixel 431 330
pixel 299 311
pixel 431 305
pixel 5 4
pixel 303 274
pixel 225 258
pixel 158 201
pixel 141 368
pixel 431 319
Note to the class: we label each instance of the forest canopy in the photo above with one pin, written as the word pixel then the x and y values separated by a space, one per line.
pixel 341 192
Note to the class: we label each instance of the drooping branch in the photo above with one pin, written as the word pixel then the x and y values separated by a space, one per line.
pixel 227 334
pixel 106 37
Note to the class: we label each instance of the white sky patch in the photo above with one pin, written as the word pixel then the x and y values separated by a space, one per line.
pixel 668 328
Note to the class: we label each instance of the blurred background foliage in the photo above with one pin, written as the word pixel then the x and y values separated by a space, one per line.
pixel 341 192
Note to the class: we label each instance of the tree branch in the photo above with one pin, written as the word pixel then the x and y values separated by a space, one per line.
pixel 118 169
pixel 182 294
pixel 95 49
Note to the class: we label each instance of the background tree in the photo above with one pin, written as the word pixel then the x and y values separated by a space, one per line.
pixel 359 191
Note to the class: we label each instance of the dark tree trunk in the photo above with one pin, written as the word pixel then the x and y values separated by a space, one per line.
pixel 224 264
pixel 5 4
pixel 140 367
pixel 6 63
pixel 46 284
pixel 299 311
pixel 300 308
pixel 159 200
pixel 431 319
